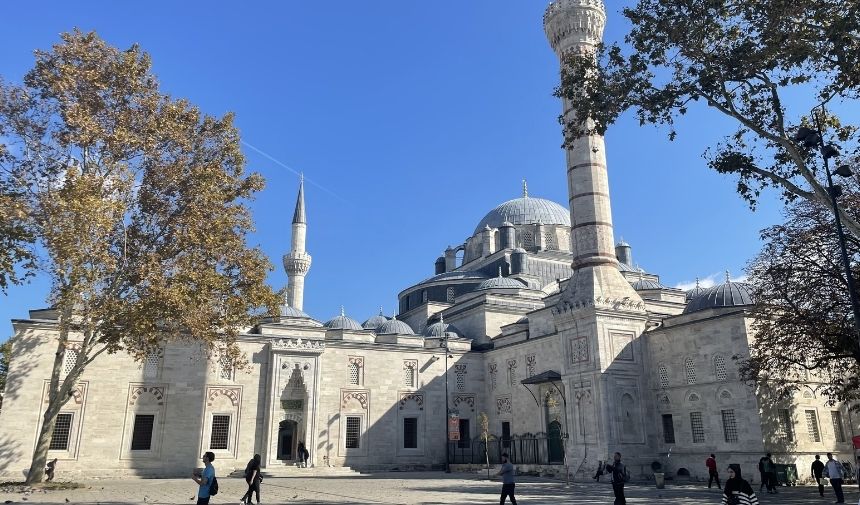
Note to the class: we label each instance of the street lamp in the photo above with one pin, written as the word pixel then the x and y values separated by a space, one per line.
pixel 815 138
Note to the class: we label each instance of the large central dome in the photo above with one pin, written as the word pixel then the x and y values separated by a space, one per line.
pixel 525 210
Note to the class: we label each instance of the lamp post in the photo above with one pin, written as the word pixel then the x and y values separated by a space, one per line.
pixel 815 138
pixel 443 343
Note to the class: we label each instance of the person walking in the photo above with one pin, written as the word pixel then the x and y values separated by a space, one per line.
pixel 507 473
pixel 713 475
pixel 737 491
pixel 818 474
pixel 205 478
pixel 303 455
pixel 619 475
pixel 833 471
pixel 768 474
pixel 253 478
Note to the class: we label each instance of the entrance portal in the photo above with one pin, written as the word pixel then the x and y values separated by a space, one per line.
pixel 287 436
pixel 556 448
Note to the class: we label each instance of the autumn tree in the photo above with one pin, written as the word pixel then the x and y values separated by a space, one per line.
pixel 804 324
pixel 5 356
pixel 136 205
pixel 740 58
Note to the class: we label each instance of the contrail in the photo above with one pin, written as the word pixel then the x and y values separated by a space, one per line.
pixel 284 165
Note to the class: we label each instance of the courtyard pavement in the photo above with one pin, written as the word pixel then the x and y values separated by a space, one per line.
pixel 399 488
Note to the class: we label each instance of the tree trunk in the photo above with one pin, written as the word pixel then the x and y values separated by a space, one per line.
pixel 40 455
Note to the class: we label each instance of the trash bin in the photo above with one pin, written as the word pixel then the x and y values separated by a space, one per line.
pixel 660 479
pixel 786 475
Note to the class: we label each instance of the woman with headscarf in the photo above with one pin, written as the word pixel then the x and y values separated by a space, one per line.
pixel 737 491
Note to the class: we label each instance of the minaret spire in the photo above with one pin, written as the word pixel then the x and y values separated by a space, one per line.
pixel 298 261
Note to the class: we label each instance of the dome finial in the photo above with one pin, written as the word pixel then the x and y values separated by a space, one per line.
pixel 728 277
pixel 500 271
pixel 525 189
pixel 394 316
pixel 697 283
pixel 342 312
pixel 380 310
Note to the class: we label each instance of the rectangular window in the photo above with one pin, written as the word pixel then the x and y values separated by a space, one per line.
pixel 506 435
pixel 141 437
pixel 62 433
pixel 812 426
pixel 697 427
pixel 150 365
pixel 786 426
pixel 353 374
pixel 730 426
pixel 668 429
pixel 464 441
pixel 410 433
pixel 220 437
pixel 353 432
pixel 838 430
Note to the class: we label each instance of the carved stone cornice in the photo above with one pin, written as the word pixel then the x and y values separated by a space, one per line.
pixel 297 344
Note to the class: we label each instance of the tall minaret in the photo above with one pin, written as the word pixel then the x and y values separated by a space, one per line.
pixel 577 25
pixel 298 262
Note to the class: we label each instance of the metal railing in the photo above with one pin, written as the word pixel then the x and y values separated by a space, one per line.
pixel 525 449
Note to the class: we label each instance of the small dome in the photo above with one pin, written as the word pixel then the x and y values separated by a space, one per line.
pixel 436 330
pixel 287 311
pixel 696 291
pixel 730 294
pixel 624 267
pixel 642 284
pixel 394 327
pixel 525 210
pixel 523 319
pixel 343 322
pixel 518 250
pixel 500 283
pixel 374 322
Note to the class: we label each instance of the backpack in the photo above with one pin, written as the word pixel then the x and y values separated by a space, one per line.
pixel 213 488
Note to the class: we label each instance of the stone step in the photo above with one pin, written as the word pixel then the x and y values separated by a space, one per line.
pixel 317 471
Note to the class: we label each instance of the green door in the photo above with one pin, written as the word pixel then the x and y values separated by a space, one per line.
pixel 556 447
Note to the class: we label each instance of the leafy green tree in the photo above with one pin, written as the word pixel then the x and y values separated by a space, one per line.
pixel 5 356
pixel 136 203
pixel 741 58
pixel 804 325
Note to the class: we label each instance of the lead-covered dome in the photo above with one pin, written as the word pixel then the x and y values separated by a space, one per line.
pixel 526 210
pixel 730 294
pixel 374 322
pixel 437 330
pixel 343 322
pixel 394 327
pixel 500 283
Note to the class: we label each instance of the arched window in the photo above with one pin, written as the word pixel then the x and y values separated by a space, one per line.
pixel 664 376
pixel 690 370
pixel 720 368
pixel 725 395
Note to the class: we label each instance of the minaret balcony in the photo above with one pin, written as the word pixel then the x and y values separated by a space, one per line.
pixel 297 263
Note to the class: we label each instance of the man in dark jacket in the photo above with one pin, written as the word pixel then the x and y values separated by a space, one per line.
pixel 817 471
pixel 619 475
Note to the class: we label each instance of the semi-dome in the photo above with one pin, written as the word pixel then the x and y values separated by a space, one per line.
pixel 730 294
pixel 374 322
pixel 343 322
pixel 394 327
pixel 437 330
pixel 643 284
pixel 500 283
pixel 526 210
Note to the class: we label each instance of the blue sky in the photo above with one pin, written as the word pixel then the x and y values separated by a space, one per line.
pixel 410 121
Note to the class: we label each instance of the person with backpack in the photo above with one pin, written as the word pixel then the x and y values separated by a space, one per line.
pixel 768 474
pixel 208 484
pixel 303 455
pixel 737 491
pixel 619 474
pixel 253 478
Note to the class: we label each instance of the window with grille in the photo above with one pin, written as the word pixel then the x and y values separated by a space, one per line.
pixel 409 375
pixel 690 369
pixel 668 429
pixel 550 241
pixel 730 425
pixel 150 365
pixel 531 362
pixel 812 426
pixel 492 377
pixel 141 437
pixel 528 239
pixel 353 372
pixel 464 441
pixel 353 432
pixel 838 430
pixel 512 373
pixel 579 350
pixel 807 395
pixel 664 376
pixel 461 381
pixel 697 427
pixel 220 437
pixel 786 426
pixel 225 367
pixel 720 368
pixel 70 359
pixel 424 296
pixel 410 433
pixel 62 432
pixel 506 434
pixel 725 395
pixel 449 295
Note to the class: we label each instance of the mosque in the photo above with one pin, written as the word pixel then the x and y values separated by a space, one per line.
pixel 538 328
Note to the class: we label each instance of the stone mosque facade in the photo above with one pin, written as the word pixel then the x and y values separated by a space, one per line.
pixel 538 320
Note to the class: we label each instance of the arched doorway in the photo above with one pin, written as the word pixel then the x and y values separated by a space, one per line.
pixel 556 448
pixel 287 438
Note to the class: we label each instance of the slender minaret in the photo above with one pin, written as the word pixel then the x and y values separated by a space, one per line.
pixel 577 25
pixel 298 262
